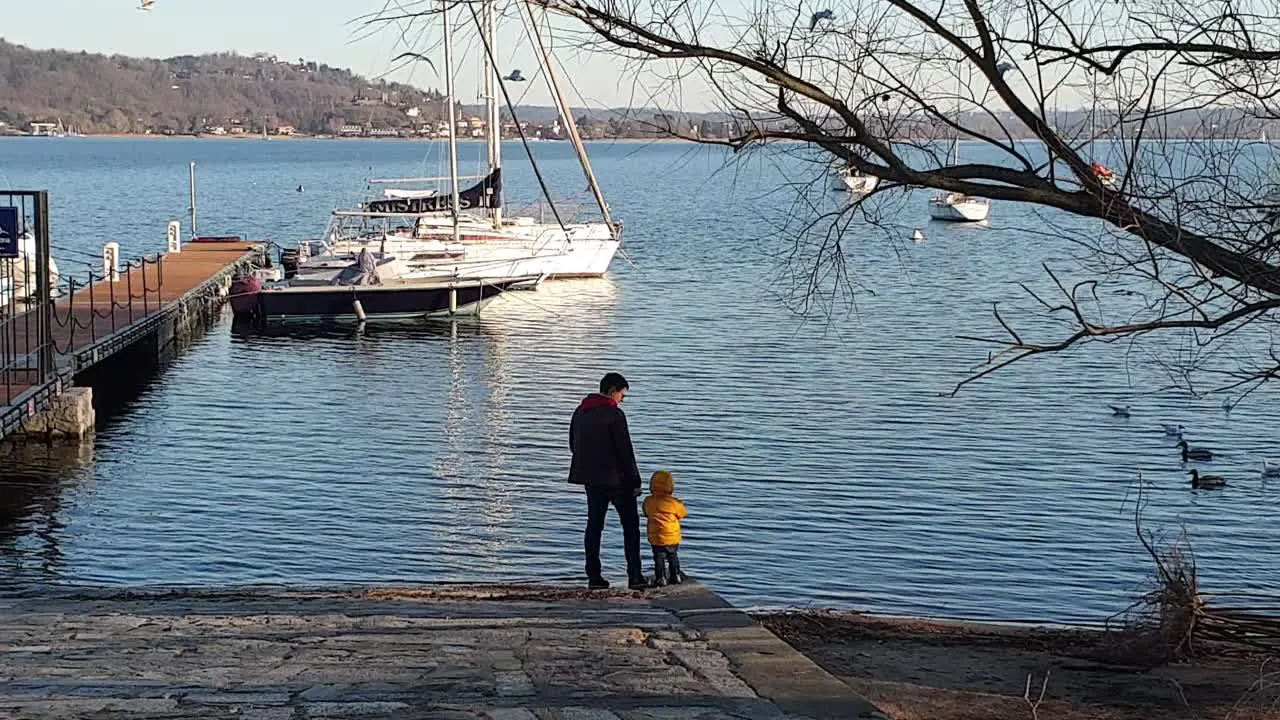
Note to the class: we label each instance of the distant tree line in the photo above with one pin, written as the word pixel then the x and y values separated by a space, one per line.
pixel 94 93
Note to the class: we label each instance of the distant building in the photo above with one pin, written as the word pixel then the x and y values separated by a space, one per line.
pixel 286 130
pixel 351 130
pixel 44 128
pixel 384 132
pixel 237 130
pixel 413 112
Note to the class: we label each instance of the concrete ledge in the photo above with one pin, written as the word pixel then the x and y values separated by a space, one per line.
pixel 774 669
pixel 479 652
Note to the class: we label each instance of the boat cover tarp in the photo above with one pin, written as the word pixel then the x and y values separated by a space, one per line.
pixel 485 194
pixel 364 271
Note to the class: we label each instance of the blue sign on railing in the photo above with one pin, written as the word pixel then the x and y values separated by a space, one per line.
pixel 10 232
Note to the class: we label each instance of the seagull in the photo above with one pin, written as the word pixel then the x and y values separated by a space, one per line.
pixel 1207 481
pixel 1173 430
pixel 146 4
pixel 1004 67
pixel 1119 411
pixel 299 188
pixel 515 76
pixel 820 15
pixel 1190 453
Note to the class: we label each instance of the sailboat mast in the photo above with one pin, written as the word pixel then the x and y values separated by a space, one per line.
pixel 548 68
pixel 453 116
pixel 493 134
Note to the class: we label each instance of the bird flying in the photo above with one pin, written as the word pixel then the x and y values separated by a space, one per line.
pixel 820 15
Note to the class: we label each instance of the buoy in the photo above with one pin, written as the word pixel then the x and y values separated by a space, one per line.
pixel 355 305
pixel 453 301
pixel 918 236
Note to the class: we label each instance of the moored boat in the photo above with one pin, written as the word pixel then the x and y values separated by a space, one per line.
pixel 394 300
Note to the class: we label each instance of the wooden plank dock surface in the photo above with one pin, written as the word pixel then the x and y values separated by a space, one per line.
pixel 104 315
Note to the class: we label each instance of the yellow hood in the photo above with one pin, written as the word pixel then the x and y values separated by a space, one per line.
pixel 662 483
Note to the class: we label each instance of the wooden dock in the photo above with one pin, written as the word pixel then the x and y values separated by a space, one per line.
pixel 97 319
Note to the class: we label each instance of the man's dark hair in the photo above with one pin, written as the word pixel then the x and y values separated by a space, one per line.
pixel 613 382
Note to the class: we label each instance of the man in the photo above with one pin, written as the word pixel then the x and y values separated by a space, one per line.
pixel 605 463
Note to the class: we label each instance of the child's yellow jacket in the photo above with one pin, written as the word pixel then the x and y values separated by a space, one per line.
pixel 664 510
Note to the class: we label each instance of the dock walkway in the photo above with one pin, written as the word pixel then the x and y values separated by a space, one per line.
pixel 94 320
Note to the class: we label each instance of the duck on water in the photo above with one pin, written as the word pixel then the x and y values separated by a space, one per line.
pixel 1206 482
pixel 1190 453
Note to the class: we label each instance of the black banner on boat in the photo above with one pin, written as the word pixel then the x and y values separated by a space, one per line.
pixel 485 194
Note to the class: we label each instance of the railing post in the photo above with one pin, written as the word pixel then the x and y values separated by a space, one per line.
pixel 143 267
pixel 93 311
pixel 112 287
pixel 128 280
pixel 44 293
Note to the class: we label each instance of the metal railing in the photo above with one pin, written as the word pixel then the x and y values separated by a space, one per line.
pixel 26 347
pixel 43 333
pixel 94 306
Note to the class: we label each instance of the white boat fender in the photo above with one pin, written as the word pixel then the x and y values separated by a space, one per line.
pixel 359 309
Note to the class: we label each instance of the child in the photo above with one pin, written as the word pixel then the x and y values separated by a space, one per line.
pixel 665 511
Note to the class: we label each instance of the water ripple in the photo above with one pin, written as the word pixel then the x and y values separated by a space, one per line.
pixel 818 459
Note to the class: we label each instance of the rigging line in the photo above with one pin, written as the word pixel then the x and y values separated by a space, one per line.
pixel 502 85
pixel 562 105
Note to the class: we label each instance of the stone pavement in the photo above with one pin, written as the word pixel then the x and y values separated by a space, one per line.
pixel 448 653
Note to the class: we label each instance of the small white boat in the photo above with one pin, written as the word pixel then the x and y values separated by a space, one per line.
pixel 954 206
pixel 18 275
pixel 855 182
pixel 958 207
pixel 1106 176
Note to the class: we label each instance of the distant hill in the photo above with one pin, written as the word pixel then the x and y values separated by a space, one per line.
pixel 230 93
pixel 93 93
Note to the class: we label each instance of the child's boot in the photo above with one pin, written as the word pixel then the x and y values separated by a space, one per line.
pixel 659 574
pixel 676 577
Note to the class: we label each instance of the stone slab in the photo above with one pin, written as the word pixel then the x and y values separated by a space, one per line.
pixel 475 653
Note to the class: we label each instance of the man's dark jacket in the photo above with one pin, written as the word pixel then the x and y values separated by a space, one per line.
pixel 603 457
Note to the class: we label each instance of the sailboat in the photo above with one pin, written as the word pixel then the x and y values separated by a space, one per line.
pixel 465 233
pixel 958 207
pixel 954 206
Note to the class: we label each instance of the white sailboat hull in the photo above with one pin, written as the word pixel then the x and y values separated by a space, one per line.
pixel 860 184
pixel 855 182
pixel 506 259
pixel 517 250
pixel 964 209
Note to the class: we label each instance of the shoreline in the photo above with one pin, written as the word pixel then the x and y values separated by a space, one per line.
pixel 295 137
pixel 710 141
pixel 921 669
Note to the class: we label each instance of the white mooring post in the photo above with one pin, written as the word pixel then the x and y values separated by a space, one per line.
pixel 111 261
pixel 174 236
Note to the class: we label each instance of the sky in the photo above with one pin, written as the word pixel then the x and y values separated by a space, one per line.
pixel 327 31
pixel 334 32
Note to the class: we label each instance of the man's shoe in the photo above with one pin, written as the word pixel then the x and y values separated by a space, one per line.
pixel 597 584
pixel 641 584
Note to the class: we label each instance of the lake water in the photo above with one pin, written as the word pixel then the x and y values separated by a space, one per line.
pixel 819 462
